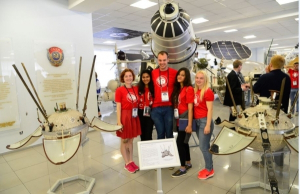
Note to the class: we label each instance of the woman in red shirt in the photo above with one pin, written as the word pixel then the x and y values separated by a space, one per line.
pixel 126 98
pixel 146 91
pixel 182 100
pixel 203 107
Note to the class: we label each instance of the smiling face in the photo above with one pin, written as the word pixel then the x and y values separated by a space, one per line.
pixel 128 78
pixel 200 80
pixel 146 78
pixel 181 77
pixel 163 61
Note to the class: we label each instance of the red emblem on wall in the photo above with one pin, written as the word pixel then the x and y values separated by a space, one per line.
pixel 55 56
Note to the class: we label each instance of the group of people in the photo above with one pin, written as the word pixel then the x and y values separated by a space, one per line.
pixel 165 97
pixel 161 98
pixel 267 82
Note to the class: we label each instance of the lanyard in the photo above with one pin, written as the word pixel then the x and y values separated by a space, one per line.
pixel 166 80
pixel 130 94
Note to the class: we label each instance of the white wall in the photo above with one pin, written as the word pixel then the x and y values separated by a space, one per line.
pixel 27 20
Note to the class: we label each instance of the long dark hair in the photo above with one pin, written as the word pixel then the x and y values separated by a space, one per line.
pixel 141 84
pixel 177 87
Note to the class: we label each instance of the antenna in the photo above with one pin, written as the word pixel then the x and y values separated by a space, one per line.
pixel 79 72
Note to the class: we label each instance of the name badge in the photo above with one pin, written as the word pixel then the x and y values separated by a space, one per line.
pixel 134 112
pixel 176 114
pixel 294 83
pixel 164 96
pixel 147 110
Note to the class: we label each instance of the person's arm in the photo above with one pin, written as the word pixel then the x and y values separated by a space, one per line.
pixel 188 129
pixel 119 114
pixel 234 85
pixel 209 105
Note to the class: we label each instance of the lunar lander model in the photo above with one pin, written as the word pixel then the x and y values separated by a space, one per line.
pixel 263 128
pixel 64 131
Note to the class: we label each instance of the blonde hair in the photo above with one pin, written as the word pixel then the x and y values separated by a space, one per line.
pixel 205 85
pixel 277 62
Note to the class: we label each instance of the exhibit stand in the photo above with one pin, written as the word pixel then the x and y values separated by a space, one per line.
pixel 158 154
pixel 79 166
pixel 282 172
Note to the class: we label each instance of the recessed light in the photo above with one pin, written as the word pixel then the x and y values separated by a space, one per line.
pixel 297 19
pixel 274 44
pixel 109 42
pixel 199 20
pixel 250 36
pixel 143 4
pixel 145 45
pixel 232 30
pixel 281 2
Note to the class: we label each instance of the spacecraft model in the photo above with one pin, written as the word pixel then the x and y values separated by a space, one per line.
pixel 259 128
pixel 172 31
pixel 64 130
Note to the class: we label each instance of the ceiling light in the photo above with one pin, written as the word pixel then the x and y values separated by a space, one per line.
pixel 274 44
pixel 232 30
pixel 250 36
pixel 109 42
pixel 199 20
pixel 281 2
pixel 143 4
pixel 296 19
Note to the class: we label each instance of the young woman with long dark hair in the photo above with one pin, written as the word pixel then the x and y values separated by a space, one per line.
pixel 182 100
pixel 146 93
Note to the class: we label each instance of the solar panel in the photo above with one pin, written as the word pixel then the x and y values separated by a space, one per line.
pixel 230 50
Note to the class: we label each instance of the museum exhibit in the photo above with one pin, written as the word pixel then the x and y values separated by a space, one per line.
pixel 149 96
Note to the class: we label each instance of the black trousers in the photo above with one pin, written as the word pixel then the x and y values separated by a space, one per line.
pixel 183 148
pixel 146 126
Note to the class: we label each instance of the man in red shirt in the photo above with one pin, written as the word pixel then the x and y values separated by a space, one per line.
pixel 294 75
pixel 162 111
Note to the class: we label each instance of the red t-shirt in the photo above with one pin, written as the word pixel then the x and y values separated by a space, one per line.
pixel 128 97
pixel 200 108
pixel 163 82
pixel 186 96
pixel 294 78
pixel 146 99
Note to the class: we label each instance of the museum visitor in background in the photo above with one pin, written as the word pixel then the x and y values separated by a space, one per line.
pixel 98 89
pixel 126 98
pixel 145 91
pixel 203 110
pixel 238 86
pixel 294 75
pixel 162 111
pixel 182 100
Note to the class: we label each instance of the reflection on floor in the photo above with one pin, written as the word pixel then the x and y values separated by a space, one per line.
pixel 28 171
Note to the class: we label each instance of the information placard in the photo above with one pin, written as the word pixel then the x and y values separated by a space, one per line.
pixel 158 154
pixel 9 114
pixel 55 72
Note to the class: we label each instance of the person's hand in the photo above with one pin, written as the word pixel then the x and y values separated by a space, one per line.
pixel 244 88
pixel 188 129
pixel 120 124
pixel 206 130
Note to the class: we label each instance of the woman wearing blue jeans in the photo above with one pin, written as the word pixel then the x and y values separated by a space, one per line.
pixel 203 105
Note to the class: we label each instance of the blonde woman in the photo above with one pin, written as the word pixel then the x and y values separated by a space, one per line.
pixel 203 107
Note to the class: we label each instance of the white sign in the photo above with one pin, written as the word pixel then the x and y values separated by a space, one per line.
pixel 158 154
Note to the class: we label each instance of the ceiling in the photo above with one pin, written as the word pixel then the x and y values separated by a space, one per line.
pixel 265 19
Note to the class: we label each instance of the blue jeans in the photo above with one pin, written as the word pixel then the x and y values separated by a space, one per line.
pixel 163 120
pixel 292 97
pixel 204 141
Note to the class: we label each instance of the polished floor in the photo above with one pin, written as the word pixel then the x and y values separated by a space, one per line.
pixel 28 171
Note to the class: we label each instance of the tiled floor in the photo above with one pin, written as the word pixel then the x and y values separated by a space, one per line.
pixel 28 171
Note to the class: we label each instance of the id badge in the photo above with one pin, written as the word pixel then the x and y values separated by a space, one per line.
pixel 294 83
pixel 164 96
pixel 176 114
pixel 147 110
pixel 134 112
